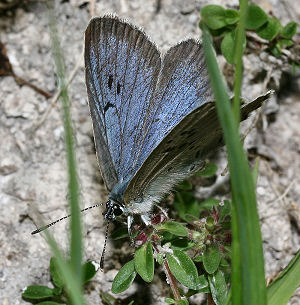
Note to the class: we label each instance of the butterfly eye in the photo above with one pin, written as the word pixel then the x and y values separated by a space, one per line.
pixel 118 210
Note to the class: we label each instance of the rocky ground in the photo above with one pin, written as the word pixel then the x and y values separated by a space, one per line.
pixel 32 157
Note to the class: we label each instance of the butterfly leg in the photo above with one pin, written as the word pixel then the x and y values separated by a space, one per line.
pixel 146 219
pixel 162 210
pixel 129 224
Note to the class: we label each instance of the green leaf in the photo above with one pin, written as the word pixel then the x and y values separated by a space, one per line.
pixel 198 258
pixel 55 274
pixel 218 287
pixel 185 185
pixel 220 32
pixel 203 283
pixel 213 16
pixel 209 170
pixel 36 292
pixel 183 302
pixel 182 244
pixel 256 17
pixel 211 258
pixel 270 29
pixel 227 47
pixel 120 233
pixel 283 287
pixel 170 301
pixel 89 269
pixel 48 303
pixel 285 42
pixel 124 278
pixel 131 302
pixel 107 298
pixel 209 203
pixel 276 50
pixel 225 209
pixel 289 30
pixel 185 204
pixel 144 262
pixel 231 16
pixel 184 269
pixel 173 227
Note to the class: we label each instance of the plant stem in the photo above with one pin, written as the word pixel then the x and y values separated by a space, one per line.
pixel 238 61
pixel 210 300
pixel 171 279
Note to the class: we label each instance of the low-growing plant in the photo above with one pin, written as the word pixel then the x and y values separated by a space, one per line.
pixel 222 23
pixel 43 295
pixel 199 240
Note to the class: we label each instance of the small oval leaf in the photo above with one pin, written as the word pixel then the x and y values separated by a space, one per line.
pixel 184 269
pixel 269 30
pixel 185 185
pixel 203 284
pixel 55 274
pixel 211 259
pixel 218 287
pixel 173 227
pixel 227 47
pixel 124 278
pixel 289 30
pixel 89 269
pixel 231 16
pixel 144 262
pixel 48 303
pixel 208 171
pixel 214 16
pixel 170 301
pixel 36 292
pixel 256 17
pixel 183 302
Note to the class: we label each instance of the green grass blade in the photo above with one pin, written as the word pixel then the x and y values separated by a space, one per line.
pixel 72 283
pixel 238 53
pixel 248 281
pixel 76 239
pixel 283 287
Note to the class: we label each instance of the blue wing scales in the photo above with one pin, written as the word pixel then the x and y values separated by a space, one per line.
pixel 122 68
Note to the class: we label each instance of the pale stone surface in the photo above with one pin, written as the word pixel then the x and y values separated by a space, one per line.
pixel 32 163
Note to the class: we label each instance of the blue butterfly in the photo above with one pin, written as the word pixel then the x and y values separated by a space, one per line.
pixel 154 118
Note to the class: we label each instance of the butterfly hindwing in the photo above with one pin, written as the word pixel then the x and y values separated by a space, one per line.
pixel 183 86
pixel 183 150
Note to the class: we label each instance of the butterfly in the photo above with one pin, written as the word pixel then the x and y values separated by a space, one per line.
pixel 154 117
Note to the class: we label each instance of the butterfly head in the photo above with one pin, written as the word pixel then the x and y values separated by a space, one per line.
pixel 113 209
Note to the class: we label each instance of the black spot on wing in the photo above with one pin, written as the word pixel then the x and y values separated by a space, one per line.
pixel 107 106
pixel 192 167
pixel 110 81
pixel 118 88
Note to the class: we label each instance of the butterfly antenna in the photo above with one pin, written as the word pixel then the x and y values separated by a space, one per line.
pixel 65 217
pixel 104 247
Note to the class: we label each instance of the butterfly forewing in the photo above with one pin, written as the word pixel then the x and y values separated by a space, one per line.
pixel 122 68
